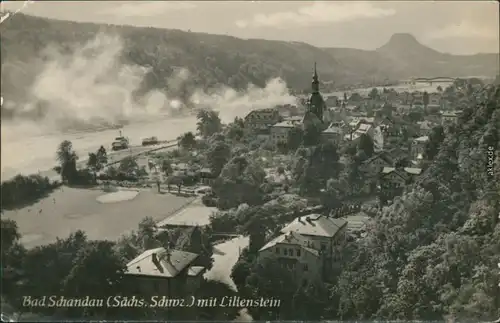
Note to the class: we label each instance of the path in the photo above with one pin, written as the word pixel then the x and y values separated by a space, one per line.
pixel 225 257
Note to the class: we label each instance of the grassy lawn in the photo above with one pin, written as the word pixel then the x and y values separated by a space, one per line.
pixel 71 209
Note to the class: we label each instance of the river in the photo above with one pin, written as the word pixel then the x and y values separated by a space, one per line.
pixel 27 153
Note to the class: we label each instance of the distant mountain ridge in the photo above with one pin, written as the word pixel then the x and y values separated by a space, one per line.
pixel 214 60
pixel 403 56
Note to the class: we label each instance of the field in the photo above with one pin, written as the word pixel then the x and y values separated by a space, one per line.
pixel 71 209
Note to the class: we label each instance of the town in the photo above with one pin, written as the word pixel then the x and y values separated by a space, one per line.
pixel 298 187
pixel 220 161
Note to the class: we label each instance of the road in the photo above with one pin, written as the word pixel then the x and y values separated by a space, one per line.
pixel 116 156
pixel 225 257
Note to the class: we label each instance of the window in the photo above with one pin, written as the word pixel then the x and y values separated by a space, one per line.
pixel 306 268
pixel 323 247
pixel 277 250
pixel 285 252
pixel 298 252
pixel 291 252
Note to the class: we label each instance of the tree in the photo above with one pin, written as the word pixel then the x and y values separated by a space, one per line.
pixel 93 164
pixel 322 164
pixel 102 156
pixel 269 279
pixel 425 98
pixel 236 129
pixel 67 158
pixel 166 167
pixel 177 178
pixel 295 137
pixel 312 135
pixel 187 141
pixel 256 229
pixel 439 88
pixel 146 234
pixel 374 94
pixel 10 234
pixel 334 193
pixel 239 182
pixel 128 165
pixel 366 145
pixel 208 123
pixel 436 137
pixel 218 155
pixel 345 97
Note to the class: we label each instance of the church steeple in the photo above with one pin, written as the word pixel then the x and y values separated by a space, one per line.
pixel 315 80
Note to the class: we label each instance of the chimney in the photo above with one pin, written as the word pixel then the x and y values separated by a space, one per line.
pixel 300 220
pixel 156 262
pixel 167 255
pixel 138 268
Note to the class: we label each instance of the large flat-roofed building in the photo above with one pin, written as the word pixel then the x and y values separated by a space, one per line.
pixel 191 216
pixel 262 120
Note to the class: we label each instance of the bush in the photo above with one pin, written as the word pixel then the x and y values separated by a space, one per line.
pixel 209 201
pixel 24 190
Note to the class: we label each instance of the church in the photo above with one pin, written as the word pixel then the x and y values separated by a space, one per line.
pixel 316 106
pixel 316 115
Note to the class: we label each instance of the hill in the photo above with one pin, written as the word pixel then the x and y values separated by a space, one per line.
pixel 404 57
pixel 215 59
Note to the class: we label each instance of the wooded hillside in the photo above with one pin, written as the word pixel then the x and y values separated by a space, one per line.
pixel 217 59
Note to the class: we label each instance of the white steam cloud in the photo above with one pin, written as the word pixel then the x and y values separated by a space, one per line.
pixel 91 86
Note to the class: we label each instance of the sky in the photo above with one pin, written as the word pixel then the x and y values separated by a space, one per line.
pixel 457 27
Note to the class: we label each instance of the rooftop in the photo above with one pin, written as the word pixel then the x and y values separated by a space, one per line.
pixel 450 114
pixel 357 222
pixel 290 238
pixel 384 155
pixel 363 128
pixel 333 129
pixel 288 123
pixel 409 170
pixel 190 216
pixel 165 266
pixel 315 225
pixel 422 139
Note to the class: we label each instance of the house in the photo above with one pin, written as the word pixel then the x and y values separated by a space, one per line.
pixel 191 216
pixel 449 117
pixel 206 176
pixel 424 127
pixel 377 162
pixel 164 272
pixel 273 176
pixel 323 232
pixel 294 251
pixel 262 120
pixel 331 114
pixel 363 128
pixel 332 101
pixel 435 98
pixel 356 224
pixel 287 110
pixel 403 108
pixel 393 177
pixel 332 134
pixel 418 147
pixel 390 128
pixel 279 131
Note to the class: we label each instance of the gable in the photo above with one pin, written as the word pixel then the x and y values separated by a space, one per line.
pixel 395 177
